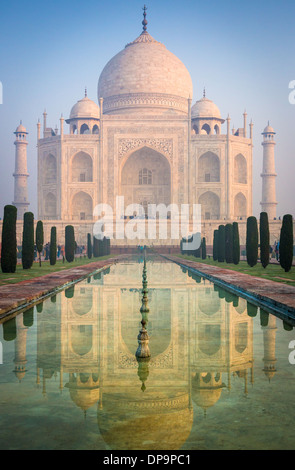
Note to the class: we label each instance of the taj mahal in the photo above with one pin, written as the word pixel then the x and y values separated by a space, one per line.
pixel 145 139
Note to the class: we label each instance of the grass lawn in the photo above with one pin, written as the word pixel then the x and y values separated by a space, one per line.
pixel 35 271
pixel 273 272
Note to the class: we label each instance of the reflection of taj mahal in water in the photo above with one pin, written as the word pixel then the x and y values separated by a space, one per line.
pixel 147 141
pixel 201 338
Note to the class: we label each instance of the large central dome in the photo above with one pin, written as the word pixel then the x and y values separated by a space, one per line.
pixel 145 77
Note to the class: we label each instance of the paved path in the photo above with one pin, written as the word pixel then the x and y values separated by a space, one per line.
pixel 13 296
pixel 276 294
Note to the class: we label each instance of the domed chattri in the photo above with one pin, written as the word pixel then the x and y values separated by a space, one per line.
pixel 145 76
pixel 85 108
pixel 205 108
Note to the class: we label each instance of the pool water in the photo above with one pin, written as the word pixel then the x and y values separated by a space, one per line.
pixel 219 375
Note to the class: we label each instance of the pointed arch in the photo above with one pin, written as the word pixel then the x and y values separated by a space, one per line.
pixel 84 129
pixel 210 206
pixel 241 337
pixel 50 169
pixel 206 129
pixel 240 206
pixel 209 339
pixel 82 206
pixel 240 169
pixel 146 176
pixel 50 206
pixel 81 339
pixel 208 168
pixel 81 168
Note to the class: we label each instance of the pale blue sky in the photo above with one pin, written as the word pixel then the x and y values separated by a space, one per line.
pixel 243 52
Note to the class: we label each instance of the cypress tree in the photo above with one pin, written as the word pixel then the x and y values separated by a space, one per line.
pixel 39 238
pixel 229 243
pixel 215 245
pixel 28 317
pixel 9 330
pixel 204 249
pixel 100 247
pixel 39 307
pixel 53 248
pixel 287 326
pixel 252 241
pixel 236 243
pixel 108 246
pixel 89 246
pixel 264 239
pixel 95 247
pixel 221 243
pixel 104 246
pixel 28 241
pixel 8 247
pixel 286 243
pixel 69 292
pixel 251 310
pixel 221 293
pixel 70 243
pixel 264 316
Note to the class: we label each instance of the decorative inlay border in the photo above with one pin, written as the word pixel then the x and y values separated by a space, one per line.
pixel 145 99
pixel 162 145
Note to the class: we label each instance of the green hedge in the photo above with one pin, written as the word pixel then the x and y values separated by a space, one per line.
pixel 89 246
pixel 229 243
pixel 286 243
pixel 28 241
pixel 39 238
pixel 8 247
pixel 264 239
pixel 70 243
pixel 252 241
pixel 236 243
pixel 221 243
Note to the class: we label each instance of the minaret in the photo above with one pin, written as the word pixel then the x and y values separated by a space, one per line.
pixel 21 173
pixel 269 339
pixel 268 203
pixel 20 359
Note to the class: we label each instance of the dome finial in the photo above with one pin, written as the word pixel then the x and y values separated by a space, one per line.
pixel 204 92
pixel 144 23
pixel 85 92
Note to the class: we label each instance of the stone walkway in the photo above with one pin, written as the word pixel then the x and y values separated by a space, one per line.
pixel 13 296
pixel 276 294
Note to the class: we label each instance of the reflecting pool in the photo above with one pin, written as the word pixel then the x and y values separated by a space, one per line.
pixel 219 375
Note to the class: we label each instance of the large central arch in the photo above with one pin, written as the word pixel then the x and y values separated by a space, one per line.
pixel 146 178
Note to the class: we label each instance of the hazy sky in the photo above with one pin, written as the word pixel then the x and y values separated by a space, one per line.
pixel 243 52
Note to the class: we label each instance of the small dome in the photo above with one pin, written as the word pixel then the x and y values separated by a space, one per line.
pixel 85 398
pixel 205 108
pixel 21 129
pixel 268 130
pixel 85 108
pixel 205 398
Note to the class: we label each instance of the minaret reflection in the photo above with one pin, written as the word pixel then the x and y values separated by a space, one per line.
pixel 16 330
pixel 269 328
pixel 23 321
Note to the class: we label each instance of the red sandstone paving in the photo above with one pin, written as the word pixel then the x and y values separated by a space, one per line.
pixel 262 288
pixel 16 295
